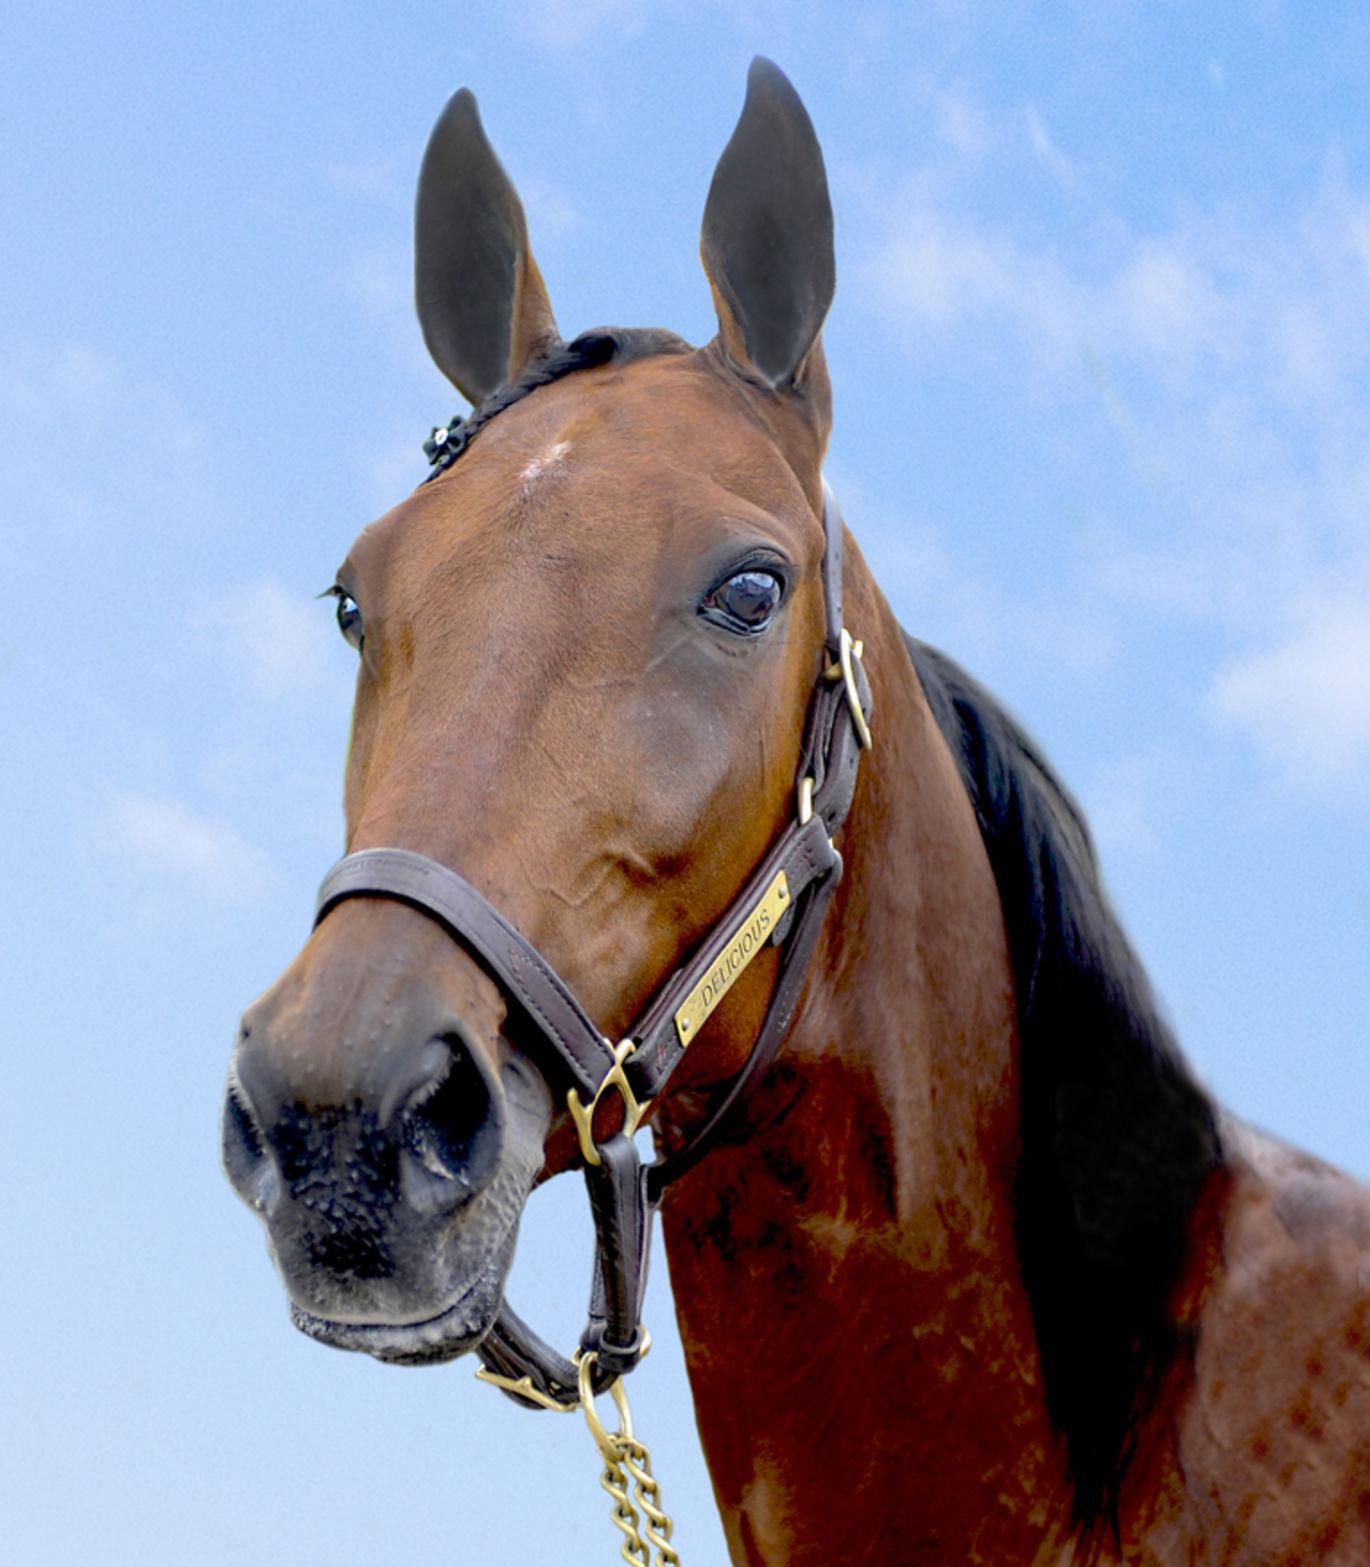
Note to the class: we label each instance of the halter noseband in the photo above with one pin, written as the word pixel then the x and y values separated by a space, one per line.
pixel 781 905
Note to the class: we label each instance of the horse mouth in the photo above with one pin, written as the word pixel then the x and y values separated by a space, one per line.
pixel 456 1329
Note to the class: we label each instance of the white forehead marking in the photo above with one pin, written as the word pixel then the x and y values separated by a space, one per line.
pixel 543 464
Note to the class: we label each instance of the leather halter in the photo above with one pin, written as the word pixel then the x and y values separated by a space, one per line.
pixel 781 904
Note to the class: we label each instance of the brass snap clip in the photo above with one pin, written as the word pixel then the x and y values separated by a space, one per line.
pixel 605 1440
pixel 646 1527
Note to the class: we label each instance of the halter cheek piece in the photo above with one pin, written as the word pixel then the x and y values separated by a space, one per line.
pixel 781 905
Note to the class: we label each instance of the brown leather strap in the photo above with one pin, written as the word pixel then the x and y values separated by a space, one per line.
pixel 467 917
pixel 832 567
pixel 805 853
pixel 512 1350
pixel 779 1016
pixel 623 1226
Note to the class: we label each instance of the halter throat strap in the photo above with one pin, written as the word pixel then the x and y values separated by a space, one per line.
pixel 781 904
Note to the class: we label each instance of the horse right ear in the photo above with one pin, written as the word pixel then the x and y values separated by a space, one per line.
pixel 767 238
pixel 481 299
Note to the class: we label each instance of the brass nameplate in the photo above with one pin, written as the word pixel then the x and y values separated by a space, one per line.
pixel 747 940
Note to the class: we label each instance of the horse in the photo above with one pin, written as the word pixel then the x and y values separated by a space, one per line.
pixel 968 1266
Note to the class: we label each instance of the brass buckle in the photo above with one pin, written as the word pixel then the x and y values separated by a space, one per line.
pixel 523 1386
pixel 843 670
pixel 584 1115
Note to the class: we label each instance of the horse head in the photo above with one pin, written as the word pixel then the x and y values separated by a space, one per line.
pixel 584 656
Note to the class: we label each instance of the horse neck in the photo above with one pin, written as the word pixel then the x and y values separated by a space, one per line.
pixel 857 1338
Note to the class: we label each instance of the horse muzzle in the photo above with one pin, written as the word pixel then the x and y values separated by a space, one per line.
pixel 389 1166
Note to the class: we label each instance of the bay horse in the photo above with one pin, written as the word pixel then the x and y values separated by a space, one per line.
pixel 968 1266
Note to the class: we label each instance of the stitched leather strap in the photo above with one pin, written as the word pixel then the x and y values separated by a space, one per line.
pixel 623 1224
pixel 467 917
pixel 832 567
pixel 779 1016
pixel 805 853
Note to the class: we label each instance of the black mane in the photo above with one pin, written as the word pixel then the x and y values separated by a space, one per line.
pixel 1117 1137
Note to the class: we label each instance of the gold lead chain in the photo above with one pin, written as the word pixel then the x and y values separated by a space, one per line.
pixel 659 1528
pixel 624 1456
pixel 615 1482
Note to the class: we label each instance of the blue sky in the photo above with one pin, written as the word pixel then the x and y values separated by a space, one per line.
pixel 1101 355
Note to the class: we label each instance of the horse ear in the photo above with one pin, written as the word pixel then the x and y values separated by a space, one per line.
pixel 767 236
pixel 481 299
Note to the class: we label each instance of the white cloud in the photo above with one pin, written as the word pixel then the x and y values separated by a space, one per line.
pixel 283 641
pixel 166 836
pixel 1048 154
pixel 985 623
pixel 933 271
pixel 1228 360
pixel 565 24
pixel 1163 302
pixel 62 404
pixel 381 279
pixel 1358 225
pixel 391 469
pixel 1257 306
pixel 960 124
pixel 550 211
pixel 1121 810
pixel 1305 703
pixel 378 177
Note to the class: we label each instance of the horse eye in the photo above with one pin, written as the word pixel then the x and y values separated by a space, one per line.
pixel 745 602
pixel 350 620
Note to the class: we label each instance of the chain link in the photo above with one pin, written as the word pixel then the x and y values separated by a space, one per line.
pixel 638 1462
pixel 633 1550
pixel 626 1456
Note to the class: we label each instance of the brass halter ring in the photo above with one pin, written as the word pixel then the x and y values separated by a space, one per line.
pixel 633 1109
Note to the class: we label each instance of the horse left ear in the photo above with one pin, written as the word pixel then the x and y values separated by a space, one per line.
pixel 481 299
pixel 767 237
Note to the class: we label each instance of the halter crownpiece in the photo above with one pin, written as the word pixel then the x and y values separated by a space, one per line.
pixel 781 905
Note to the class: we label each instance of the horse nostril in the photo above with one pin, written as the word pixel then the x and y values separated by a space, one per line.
pixel 246 1163
pixel 240 1121
pixel 452 1128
